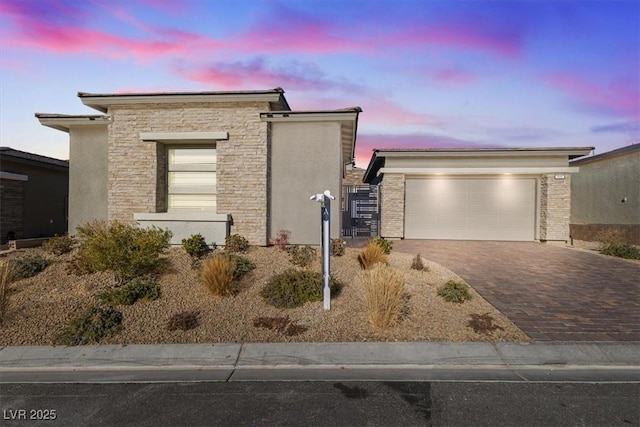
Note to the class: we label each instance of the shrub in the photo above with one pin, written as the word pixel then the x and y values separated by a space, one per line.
pixel 418 264
pixel 622 251
pixel 133 291
pixel 6 277
pixel 293 288
pixel 482 323
pixel 28 266
pixel 456 292
pixel 184 320
pixel 370 255
pixel 383 243
pixel 302 256
pixel 283 325
pixel 59 245
pixel 241 266
pixel 127 250
pixel 610 237
pixel 382 290
pixel 281 241
pixel 337 247
pixel 91 326
pixel 217 275
pixel 195 245
pixel 235 243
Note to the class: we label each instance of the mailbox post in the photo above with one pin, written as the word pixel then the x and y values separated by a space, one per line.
pixel 325 213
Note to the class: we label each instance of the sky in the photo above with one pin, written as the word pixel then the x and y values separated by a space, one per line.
pixel 426 73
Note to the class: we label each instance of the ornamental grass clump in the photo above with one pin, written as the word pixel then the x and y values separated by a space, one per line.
pixel 370 255
pixel 127 250
pixel 382 289
pixel 455 292
pixel 6 277
pixel 385 244
pixel 217 275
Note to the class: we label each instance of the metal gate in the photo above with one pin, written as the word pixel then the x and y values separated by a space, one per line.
pixel 360 211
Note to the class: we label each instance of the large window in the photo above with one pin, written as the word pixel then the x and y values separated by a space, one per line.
pixel 191 179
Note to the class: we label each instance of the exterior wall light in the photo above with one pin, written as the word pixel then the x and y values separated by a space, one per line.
pixel 558 176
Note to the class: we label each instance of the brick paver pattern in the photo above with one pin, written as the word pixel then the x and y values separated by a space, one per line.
pixel 552 293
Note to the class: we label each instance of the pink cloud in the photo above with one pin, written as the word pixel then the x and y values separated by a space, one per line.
pixel 470 35
pixel 620 96
pixel 366 143
pixel 256 73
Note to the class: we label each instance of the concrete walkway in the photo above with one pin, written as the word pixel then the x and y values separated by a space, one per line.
pixel 430 361
pixel 552 293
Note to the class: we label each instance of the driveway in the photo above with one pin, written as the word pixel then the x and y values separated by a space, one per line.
pixel 552 293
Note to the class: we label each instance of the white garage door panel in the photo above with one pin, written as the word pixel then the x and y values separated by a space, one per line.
pixel 470 208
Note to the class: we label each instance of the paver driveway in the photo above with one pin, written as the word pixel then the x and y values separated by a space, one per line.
pixel 552 293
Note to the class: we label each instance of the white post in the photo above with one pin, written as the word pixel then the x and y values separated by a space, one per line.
pixel 325 212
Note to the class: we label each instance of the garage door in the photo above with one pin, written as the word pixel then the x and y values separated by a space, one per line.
pixel 470 208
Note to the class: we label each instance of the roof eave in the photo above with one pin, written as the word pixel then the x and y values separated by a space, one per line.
pixel 63 122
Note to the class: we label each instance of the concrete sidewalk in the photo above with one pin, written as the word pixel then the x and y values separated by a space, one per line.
pixel 420 361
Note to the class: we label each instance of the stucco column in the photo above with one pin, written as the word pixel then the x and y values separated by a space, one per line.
pixel 392 206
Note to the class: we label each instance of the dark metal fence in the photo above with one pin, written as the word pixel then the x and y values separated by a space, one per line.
pixel 360 211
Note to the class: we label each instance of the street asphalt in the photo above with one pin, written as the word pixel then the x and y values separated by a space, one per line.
pixel 410 361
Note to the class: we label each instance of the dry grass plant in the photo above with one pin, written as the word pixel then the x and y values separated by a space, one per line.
pixel 370 255
pixel 6 277
pixel 382 290
pixel 217 275
pixel 610 237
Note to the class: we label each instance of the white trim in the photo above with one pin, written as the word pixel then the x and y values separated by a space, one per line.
pixel 13 176
pixel 65 123
pixel 556 152
pixel 101 103
pixel 478 171
pixel 181 216
pixel 184 137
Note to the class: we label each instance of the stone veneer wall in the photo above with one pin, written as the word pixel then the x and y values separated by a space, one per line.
pixel 392 206
pixel 12 212
pixel 136 175
pixel 555 207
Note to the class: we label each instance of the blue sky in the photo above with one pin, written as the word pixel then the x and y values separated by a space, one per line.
pixel 426 73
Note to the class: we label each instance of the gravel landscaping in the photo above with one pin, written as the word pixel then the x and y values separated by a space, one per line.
pixel 40 307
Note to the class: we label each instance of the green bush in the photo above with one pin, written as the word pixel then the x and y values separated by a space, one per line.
pixel 623 250
pixel 337 247
pixel 195 245
pixel 93 325
pixel 127 250
pixel 454 292
pixel 235 243
pixel 296 287
pixel 59 245
pixel 241 266
pixel 133 291
pixel 28 266
pixel 384 244
pixel 302 256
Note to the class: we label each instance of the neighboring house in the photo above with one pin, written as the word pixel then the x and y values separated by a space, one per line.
pixel 33 195
pixel 605 195
pixel 207 162
pixel 475 194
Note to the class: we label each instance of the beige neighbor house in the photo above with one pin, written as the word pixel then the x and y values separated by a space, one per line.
pixel 517 194
pixel 605 195
pixel 33 195
pixel 208 162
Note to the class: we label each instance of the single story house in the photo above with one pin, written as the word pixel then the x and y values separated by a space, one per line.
pixel 33 195
pixel 605 195
pixel 518 194
pixel 207 162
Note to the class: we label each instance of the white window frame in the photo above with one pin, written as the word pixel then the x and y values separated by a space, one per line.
pixel 193 190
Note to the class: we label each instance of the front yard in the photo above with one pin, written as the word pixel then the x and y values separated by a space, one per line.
pixel 40 307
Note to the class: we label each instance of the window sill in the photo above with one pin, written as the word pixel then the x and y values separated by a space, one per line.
pixel 182 216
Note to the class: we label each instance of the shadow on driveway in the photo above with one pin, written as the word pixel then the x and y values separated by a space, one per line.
pixel 552 293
